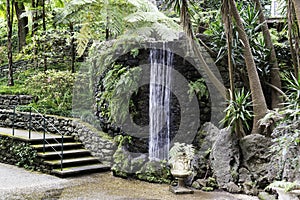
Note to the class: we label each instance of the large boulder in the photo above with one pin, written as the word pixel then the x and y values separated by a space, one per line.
pixel 225 160
pixel 255 151
pixel 203 142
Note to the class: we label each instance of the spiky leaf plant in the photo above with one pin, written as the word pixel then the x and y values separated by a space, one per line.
pixel 238 113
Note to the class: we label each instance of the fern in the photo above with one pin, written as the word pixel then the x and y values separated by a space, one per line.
pixel 181 148
pixel 199 88
pixel 117 83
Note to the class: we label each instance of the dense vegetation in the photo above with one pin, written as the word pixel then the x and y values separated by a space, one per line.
pixel 43 45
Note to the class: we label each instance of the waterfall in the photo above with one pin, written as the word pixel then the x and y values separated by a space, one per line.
pixel 159 103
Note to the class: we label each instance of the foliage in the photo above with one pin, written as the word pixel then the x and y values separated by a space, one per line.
pixel 19 79
pixel 54 45
pixel 292 106
pixel 20 153
pixel 117 86
pixel 94 17
pixel 199 88
pixel 53 90
pixel 123 140
pixel 252 26
pixel 180 149
pixel 238 112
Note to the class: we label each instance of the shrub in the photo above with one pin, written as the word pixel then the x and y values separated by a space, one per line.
pixel 53 91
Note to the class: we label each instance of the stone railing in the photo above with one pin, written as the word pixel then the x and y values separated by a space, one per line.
pixel 9 101
pixel 99 143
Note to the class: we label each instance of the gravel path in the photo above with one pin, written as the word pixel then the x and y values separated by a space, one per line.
pixel 17 183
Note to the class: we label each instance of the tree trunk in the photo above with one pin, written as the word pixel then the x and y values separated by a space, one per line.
pixel 297 10
pixel 72 48
pixel 9 14
pixel 44 29
pixel 275 76
pixel 187 26
pixel 226 10
pixel 259 102
pixel 22 25
pixel 34 6
pixel 290 17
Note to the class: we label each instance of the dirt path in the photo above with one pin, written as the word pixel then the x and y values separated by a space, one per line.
pixel 17 183
pixel 105 186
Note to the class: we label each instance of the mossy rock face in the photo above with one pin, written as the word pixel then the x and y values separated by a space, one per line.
pixel 155 171
pixel 122 163
pixel 134 165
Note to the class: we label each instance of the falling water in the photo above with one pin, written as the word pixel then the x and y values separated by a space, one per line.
pixel 159 103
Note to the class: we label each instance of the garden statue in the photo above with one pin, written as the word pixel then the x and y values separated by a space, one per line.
pixel 180 169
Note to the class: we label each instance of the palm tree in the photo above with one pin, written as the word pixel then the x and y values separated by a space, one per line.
pixel 293 32
pixel 297 9
pixel 258 99
pixel 275 76
pixel 226 10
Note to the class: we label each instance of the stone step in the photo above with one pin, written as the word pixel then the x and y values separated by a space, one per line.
pixel 74 153
pixel 51 147
pixel 72 162
pixel 50 140
pixel 86 169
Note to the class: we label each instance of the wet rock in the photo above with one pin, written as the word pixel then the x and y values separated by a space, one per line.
pixel 256 158
pixel 204 141
pixel 244 175
pixel 233 188
pixel 225 158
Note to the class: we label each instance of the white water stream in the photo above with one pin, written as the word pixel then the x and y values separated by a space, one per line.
pixel 159 103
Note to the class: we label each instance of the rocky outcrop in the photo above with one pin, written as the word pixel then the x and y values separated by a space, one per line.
pixel 254 167
pixel 225 160
pixel 204 142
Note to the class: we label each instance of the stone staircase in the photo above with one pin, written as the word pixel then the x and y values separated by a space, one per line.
pixel 75 159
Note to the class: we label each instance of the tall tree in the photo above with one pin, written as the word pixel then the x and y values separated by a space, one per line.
pixel 275 76
pixel 44 30
pixel 10 18
pixel 293 33
pixel 259 102
pixel 297 9
pixel 226 17
pixel 73 53
pixel 22 24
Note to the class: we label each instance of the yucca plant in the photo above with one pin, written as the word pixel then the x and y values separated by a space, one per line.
pixel 238 113
pixel 292 106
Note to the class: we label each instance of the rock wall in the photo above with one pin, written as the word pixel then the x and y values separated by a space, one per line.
pixel 9 101
pixel 19 153
pixel 101 145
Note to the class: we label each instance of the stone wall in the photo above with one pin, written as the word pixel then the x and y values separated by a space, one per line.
pixel 101 145
pixel 16 66
pixel 9 101
pixel 19 153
